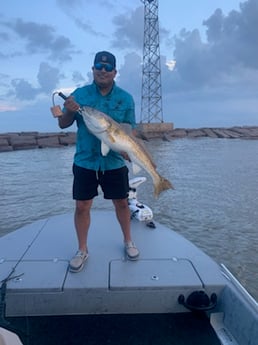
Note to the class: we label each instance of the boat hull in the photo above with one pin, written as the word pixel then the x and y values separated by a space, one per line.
pixel 34 264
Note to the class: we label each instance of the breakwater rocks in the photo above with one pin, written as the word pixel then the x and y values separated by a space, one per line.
pixel 250 132
pixel 31 140
pixel 246 132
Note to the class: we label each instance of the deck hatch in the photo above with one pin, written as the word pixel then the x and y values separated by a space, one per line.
pixel 35 276
pixel 152 274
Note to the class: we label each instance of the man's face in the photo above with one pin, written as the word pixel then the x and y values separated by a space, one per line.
pixel 103 75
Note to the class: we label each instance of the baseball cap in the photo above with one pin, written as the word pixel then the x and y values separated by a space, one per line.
pixel 105 57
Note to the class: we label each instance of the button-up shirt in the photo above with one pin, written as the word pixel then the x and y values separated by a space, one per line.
pixel 119 105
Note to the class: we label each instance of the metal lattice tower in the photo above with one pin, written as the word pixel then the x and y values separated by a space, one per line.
pixel 151 102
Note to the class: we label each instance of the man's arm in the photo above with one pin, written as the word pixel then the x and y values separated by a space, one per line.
pixel 68 116
pixel 66 120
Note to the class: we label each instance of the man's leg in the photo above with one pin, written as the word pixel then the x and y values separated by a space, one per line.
pixel 115 186
pixel 123 215
pixel 82 222
pixel 85 186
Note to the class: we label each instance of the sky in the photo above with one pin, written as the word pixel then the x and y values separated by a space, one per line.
pixel 49 46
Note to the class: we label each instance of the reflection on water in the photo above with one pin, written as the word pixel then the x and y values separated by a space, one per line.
pixel 214 203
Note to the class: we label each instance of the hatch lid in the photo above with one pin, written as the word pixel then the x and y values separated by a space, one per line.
pixel 153 274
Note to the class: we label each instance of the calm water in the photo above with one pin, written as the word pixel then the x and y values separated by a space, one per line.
pixel 214 204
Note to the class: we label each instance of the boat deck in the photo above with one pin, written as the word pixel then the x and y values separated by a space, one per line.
pixel 114 300
pixel 41 284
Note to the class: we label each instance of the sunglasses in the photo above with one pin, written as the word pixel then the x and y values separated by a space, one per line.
pixel 107 66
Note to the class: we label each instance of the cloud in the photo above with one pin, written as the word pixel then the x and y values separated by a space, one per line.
pixel 42 38
pixel 85 26
pixel 72 8
pixel 130 74
pixel 215 80
pixel 191 56
pixel 129 31
pixel 231 48
pixel 4 79
pixel 235 35
pixel 70 4
pixel 33 117
pixel 24 90
pixel 4 36
pixel 48 78
pixel 130 28
pixel 78 78
pixel 4 107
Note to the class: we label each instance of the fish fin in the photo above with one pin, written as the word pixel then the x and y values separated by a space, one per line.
pixel 163 184
pixel 136 168
pixel 104 148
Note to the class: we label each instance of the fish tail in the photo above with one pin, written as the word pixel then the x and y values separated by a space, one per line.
pixel 162 185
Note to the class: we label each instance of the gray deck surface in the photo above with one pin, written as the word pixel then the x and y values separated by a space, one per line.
pixel 168 266
pixel 114 300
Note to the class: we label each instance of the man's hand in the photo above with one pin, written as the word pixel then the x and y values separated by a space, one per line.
pixel 71 105
pixel 125 156
pixel 67 118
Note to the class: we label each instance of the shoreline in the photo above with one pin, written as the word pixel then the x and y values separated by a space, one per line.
pixel 12 141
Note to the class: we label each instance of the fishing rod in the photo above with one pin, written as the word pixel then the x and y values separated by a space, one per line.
pixel 56 109
pixel 3 291
pixel 62 95
pixel 3 322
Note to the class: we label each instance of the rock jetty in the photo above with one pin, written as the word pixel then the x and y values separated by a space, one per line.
pixel 246 132
pixel 32 140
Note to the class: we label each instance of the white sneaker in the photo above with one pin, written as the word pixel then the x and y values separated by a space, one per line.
pixel 77 262
pixel 131 251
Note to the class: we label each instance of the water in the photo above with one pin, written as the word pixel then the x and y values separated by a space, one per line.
pixel 214 203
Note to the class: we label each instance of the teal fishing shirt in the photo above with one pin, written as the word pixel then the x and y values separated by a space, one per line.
pixel 119 105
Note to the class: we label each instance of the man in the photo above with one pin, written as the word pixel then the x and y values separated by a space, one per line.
pixel 90 168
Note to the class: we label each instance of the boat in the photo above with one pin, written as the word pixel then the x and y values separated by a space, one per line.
pixel 173 282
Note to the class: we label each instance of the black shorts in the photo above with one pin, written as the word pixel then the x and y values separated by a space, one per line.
pixel 114 183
